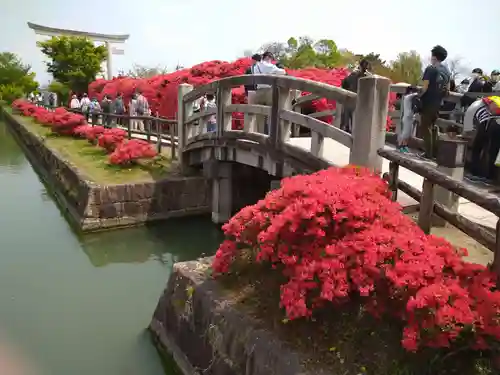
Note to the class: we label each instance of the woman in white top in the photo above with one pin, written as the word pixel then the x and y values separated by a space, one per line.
pixel 133 112
pixel 75 103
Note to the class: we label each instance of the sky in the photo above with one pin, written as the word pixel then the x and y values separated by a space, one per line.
pixel 168 32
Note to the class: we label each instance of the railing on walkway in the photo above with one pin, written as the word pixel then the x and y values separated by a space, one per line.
pixel 153 129
pixel 429 206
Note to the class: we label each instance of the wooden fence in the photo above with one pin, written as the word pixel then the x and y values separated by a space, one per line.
pixel 158 130
pixel 429 207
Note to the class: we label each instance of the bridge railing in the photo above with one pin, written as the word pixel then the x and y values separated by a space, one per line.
pixel 370 107
pixel 158 130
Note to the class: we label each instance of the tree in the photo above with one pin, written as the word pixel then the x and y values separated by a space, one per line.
pixel 406 68
pixel 456 67
pixel 16 79
pixel 304 52
pixel 142 71
pixel 278 49
pixel 73 61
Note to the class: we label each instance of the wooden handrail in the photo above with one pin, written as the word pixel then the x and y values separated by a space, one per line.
pixel 320 89
pixel 488 201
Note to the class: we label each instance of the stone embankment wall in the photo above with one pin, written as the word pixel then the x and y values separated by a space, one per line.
pixel 91 207
pixel 205 334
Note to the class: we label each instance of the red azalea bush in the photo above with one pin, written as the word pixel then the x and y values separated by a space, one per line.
pixel 161 90
pixel 60 121
pixel 89 132
pixel 335 235
pixel 129 151
pixel 111 138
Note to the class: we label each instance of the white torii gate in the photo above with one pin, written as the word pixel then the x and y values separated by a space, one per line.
pixel 108 39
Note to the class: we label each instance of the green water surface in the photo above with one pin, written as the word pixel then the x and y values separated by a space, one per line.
pixel 80 306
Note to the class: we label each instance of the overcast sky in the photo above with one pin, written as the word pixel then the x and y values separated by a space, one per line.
pixel 167 32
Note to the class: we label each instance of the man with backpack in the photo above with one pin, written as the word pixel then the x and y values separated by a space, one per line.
pixel 106 111
pixel 119 108
pixel 435 87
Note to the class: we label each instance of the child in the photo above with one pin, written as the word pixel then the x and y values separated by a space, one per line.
pixel 405 128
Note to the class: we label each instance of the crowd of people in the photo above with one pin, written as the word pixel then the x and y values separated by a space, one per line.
pixel 428 101
pixel 480 106
pixel 92 109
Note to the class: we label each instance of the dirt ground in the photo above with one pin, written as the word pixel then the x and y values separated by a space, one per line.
pixel 477 252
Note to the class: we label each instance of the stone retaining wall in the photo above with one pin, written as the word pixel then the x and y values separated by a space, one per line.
pixel 206 335
pixel 90 206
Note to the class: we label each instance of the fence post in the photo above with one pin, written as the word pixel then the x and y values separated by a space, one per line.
pixel 370 117
pixel 223 99
pixel 183 112
pixel 451 161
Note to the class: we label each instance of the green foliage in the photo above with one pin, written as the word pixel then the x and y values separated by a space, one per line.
pixel 73 61
pixel 9 93
pixel 16 80
pixel 304 52
pixel 407 68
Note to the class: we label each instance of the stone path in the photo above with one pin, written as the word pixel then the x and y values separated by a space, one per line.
pixel 338 154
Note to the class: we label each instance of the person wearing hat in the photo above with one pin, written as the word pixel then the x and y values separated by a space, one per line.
pixel 75 103
pixel 493 84
pixel 477 84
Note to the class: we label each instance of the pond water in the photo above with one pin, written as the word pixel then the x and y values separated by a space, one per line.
pixel 80 305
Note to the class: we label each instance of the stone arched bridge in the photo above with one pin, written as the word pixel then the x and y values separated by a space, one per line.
pixel 225 154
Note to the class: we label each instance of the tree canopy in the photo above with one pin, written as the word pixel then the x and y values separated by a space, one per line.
pixel 143 71
pixel 305 52
pixel 73 61
pixel 16 79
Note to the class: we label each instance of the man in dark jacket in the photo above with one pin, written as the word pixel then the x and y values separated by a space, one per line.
pixel 351 83
pixel 478 84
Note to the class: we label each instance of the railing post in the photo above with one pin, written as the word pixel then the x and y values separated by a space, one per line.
pixel 183 112
pixel 250 120
pixel 451 161
pixel 286 98
pixel 224 120
pixel 370 117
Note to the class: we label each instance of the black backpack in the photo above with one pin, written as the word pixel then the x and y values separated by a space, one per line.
pixel 442 81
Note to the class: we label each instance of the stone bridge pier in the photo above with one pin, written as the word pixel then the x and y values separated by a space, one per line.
pixel 235 186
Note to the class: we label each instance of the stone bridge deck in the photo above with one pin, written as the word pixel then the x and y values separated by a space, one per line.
pixel 338 154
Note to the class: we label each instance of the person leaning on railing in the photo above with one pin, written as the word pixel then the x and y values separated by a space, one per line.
pixel 264 95
pixel 487 139
pixel 351 83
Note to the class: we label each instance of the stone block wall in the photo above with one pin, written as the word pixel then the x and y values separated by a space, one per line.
pixel 206 334
pixel 91 207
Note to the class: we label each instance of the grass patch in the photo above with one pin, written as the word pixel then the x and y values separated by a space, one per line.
pixel 92 161
pixel 342 339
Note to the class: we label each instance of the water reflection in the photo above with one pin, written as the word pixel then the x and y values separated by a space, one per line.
pixel 167 243
pixel 10 153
